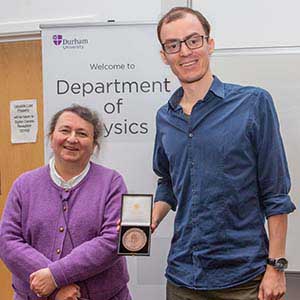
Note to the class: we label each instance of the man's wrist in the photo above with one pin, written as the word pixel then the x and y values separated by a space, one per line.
pixel 280 264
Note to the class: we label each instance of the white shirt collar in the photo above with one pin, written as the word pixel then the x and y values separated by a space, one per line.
pixel 58 180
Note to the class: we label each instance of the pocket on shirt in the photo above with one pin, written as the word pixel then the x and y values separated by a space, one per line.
pixel 237 151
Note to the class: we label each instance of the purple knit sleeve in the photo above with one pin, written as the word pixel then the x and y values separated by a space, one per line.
pixel 20 257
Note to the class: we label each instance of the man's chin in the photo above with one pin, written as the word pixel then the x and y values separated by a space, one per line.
pixel 191 80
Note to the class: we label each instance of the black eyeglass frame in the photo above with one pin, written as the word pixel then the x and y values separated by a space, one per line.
pixel 185 41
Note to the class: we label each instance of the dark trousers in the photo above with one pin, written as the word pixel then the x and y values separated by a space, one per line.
pixel 246 291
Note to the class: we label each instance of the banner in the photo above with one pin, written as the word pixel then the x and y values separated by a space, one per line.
pixel 115 69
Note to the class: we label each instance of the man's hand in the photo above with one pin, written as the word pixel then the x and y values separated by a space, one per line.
pixel 154 224
pixel 160 210
pixel 42 282
pixel 273 285
pixel 68 292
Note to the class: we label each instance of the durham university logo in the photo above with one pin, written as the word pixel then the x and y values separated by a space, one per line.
pixel 57 39
pixel 74 43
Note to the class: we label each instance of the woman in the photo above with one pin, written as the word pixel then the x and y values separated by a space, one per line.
pixel 58 231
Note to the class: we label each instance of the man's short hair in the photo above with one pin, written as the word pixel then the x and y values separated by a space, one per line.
pixel 177 13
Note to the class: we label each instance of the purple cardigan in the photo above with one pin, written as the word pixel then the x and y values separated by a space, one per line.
pixel 33 232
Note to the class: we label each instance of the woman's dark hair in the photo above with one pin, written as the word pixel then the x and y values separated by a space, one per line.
pixel 84 113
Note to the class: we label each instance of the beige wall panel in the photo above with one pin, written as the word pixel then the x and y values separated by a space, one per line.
pixel 20 79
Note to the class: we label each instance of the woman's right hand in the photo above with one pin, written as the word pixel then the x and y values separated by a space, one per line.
pixel 118 225
pixel 68 292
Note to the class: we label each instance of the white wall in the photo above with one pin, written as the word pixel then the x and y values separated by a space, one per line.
pixel 236 24
pixel 253 23
pixel 26 15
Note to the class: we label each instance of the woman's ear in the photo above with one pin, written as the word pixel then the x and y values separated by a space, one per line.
pixel 50 139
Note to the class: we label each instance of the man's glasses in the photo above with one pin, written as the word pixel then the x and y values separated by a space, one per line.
pixel 192 42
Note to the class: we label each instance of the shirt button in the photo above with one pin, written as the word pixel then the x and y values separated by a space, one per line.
pixel 65 208
pixel 192 163
pixel 58 251
pixel 190 135
pixel 61 229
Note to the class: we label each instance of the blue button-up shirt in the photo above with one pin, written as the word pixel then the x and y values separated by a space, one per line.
pixel 225 170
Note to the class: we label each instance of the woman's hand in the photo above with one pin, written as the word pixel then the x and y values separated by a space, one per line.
pixel 42 282
pixel 118 225
pixel 68 292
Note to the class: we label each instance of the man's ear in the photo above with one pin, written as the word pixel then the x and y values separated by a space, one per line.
pixel 211 46
pixel 163 57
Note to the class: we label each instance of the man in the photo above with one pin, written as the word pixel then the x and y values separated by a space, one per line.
pixel 220 159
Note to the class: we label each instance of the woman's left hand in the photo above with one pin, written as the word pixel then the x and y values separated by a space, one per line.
pixel 42 282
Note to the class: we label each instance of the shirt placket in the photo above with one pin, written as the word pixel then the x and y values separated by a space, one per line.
pixel 62 226
pixel 194 165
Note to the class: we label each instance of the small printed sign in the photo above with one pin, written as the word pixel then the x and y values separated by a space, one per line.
pixel 23 121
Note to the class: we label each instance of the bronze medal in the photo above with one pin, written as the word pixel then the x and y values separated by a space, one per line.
pixel 134 239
